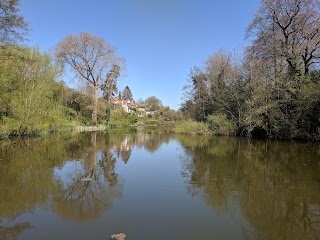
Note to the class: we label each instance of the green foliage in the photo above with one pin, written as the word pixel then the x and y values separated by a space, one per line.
pixel 109 86
pixel 120 118
pixel 239 99
pixel 27 79
pixel 147 121
pixel 273 89
pixel 108 115
pixel 192 127
pixel 84 120
pixel 32 102
pixel 219 124
pixel 171 115
pixel 308 119
pixel 92 59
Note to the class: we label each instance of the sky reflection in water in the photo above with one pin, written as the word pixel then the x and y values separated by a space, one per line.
pixel 152 185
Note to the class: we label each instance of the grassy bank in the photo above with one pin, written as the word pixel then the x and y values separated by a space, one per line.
pixel 6 133
pixel 191 127
pixel 11 131
pixel 32 132
pixel 216 125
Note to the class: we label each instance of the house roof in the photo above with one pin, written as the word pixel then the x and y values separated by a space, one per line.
pixel 125 102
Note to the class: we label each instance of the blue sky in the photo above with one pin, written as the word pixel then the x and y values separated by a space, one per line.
pixel 160 39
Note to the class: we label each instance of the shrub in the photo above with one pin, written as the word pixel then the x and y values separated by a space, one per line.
pixel 120 118
pixel 192 127
pixel 219 124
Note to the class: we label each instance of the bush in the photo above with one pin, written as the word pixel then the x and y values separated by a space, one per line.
pixel 219 124
pixel 192 128
pixel 120 118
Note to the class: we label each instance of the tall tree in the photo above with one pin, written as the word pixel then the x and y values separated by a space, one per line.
pixel 127 94
pixel 140 101
pixel 28 88
pixel 109 87
pixel 215 88
pixel 91 58
pixel 288 30
pixel 284 52
pixel 153 103
pixel 12 25
pixel 197 94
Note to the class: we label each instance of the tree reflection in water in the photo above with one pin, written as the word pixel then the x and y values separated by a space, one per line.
pixel 273 188
pixel 89 184
pixel 12 232
pixel 26 178
pixel 273 185
pixel 83 200
pixel 46 172
pixel 149 139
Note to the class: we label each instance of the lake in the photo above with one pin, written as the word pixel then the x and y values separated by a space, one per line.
pixel 152 185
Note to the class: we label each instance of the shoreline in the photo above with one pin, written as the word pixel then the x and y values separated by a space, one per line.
pixel 89 128
pixel 44 132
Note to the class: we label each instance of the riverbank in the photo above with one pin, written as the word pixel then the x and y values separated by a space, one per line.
pixel 226 128
pixel 36 132
pixel 89 128
pixel 13 133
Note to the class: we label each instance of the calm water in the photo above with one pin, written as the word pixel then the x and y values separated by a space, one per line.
pixel 156 186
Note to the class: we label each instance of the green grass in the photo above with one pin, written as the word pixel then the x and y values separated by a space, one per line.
pixel 191 127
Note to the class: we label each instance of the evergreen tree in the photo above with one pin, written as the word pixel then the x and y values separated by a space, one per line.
pixel 127 94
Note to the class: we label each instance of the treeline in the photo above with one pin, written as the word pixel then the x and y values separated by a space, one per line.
pixel 29 93
pixel 34 99
pixel 32 96
pixel 273 89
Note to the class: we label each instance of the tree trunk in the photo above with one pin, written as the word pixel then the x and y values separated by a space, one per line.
pixel 95 106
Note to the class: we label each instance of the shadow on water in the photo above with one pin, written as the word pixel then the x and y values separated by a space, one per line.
pixel 274 186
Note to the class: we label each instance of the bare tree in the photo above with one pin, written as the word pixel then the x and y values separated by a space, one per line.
pixel 289 30
pixel 12 24
pixel 223 72
pixel 153 103
pixel 91 58
pixel 197 94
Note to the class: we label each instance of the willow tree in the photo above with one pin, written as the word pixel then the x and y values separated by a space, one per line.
pixel 28 88
pixel 91 58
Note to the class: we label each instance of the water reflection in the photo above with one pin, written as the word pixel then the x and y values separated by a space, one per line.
pixel 73 175
pixel 149 139
pixel 88 185
pixel 271 190
pixel 12 232
pixel 273 185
